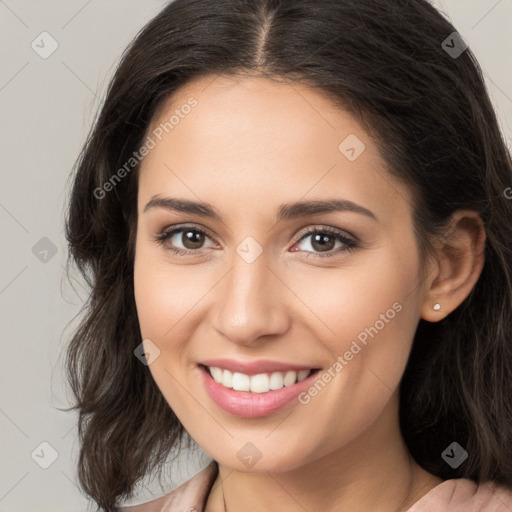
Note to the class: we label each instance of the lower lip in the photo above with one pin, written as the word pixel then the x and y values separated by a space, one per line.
pixel 246 404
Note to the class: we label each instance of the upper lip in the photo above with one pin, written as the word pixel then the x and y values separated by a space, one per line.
pixel 255 367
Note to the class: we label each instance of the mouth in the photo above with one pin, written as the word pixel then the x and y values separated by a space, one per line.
pixel 258 383
pixel 251 395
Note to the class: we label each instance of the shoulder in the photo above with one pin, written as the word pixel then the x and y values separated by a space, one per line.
pixel 464 495
pixel 189 496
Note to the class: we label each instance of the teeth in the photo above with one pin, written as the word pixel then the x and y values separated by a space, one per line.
pixel 290 378
pixel 276 380
pixel 227 378
pixel 241 382
pixel 216 374
pixel 302 374
pixel 260 383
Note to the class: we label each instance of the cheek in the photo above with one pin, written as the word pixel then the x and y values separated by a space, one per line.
pixel 369 316
pixel 355 300
pixel 164 293
pixel 170 301
pixel 340 305
pixel 165 298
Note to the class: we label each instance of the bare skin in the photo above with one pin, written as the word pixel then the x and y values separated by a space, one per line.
pixel 249 146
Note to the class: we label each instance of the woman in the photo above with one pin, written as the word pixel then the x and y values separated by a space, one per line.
pixel 294 220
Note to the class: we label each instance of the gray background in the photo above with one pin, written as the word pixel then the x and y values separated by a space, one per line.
pixel 47 107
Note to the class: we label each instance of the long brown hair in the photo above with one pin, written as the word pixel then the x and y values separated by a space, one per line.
pixel 386 64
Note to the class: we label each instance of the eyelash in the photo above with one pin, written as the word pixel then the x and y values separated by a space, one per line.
pixel 350 244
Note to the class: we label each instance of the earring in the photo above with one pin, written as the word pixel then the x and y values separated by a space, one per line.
pixel 436 306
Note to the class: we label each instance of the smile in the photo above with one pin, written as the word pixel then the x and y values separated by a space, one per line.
pixel 254 393
pixel 260 383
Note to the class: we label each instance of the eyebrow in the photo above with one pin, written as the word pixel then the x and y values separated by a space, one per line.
pixel 286 211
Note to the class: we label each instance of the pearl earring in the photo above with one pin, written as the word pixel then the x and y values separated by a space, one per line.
pixel 437 306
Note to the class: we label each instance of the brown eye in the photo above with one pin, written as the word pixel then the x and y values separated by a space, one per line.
pixel 323 241
pixel 183 240
pixel 192 239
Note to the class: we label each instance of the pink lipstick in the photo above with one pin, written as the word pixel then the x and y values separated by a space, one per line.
pixel 262 387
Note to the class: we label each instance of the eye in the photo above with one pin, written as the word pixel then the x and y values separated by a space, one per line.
pixel 324 240
pixel 191 238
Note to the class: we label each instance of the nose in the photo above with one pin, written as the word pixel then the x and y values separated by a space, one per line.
pixel 250 303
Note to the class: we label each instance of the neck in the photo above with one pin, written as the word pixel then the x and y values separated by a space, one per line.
pixel 373 473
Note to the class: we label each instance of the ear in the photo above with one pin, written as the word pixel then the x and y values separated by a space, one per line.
pixel 458 263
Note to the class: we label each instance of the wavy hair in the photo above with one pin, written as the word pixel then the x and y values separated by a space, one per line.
pixel 429 111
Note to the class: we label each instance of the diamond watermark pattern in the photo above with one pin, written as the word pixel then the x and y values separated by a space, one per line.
pixel 44 250
pixel 44 45
pixel 249 454
pixel 147 352
pixel 454 455
pixel 249 250
pixel 44 455
pixel 454 45
pixel 352 147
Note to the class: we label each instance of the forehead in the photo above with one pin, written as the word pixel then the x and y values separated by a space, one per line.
pixel 270 115
pixel 253 138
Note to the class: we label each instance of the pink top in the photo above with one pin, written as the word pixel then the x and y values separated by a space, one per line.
pixel 458 495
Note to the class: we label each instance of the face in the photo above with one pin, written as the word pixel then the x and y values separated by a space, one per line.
pixel 306 313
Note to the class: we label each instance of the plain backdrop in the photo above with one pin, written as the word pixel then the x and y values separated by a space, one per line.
pixel 47 106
